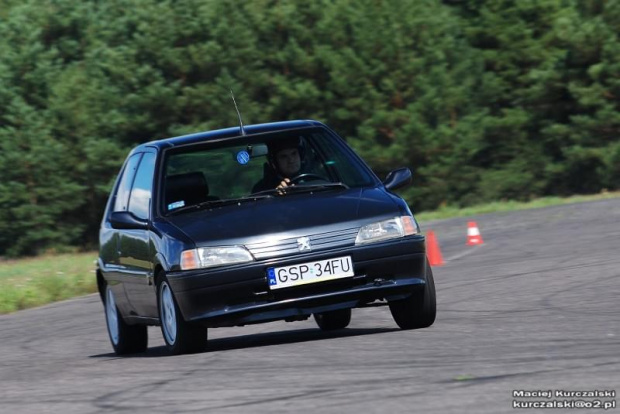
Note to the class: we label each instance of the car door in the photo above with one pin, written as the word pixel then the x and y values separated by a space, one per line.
pixel 136 249
pixel 109 237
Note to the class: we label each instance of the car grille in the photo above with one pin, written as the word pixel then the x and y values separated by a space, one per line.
pixel 288 246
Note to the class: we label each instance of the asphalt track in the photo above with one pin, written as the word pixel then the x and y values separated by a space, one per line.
pixel 535 308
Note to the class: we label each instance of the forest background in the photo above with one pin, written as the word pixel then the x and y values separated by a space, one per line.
pixel 483 99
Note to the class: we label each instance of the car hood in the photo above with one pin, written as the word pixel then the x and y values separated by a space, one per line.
pixel 286 215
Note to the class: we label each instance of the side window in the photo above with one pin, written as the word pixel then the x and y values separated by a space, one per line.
pixel 122 194
pixel 142 187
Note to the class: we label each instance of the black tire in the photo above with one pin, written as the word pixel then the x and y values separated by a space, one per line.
pixel 125 339
pixel 330 321
pixel 181 337
pixel 418 310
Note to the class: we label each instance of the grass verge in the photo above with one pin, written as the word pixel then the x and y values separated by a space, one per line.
pixel 30 282
pixel 501 206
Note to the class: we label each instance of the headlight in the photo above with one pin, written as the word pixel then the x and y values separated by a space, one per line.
pixel 214 256
pixel 387 229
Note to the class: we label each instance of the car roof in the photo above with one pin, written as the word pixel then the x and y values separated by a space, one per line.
pixel 228 133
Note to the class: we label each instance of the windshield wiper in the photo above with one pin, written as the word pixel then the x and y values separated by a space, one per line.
pixel 301 188
pixel 219 203
pixel 315 187
pixel 266 193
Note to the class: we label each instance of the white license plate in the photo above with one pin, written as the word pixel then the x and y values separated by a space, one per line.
pixel 310 272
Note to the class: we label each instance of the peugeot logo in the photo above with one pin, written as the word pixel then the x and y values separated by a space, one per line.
pixel 303 243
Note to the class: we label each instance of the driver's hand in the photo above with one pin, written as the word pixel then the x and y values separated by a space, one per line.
pixel 283 184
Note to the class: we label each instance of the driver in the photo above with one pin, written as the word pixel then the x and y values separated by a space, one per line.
pixel 284 157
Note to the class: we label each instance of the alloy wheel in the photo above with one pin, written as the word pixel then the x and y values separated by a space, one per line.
pixel 168 314
pixel 111 316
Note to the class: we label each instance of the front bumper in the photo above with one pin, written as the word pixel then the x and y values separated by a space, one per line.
pixel 238 295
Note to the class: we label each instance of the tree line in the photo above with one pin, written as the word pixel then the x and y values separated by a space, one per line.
pixel 483 99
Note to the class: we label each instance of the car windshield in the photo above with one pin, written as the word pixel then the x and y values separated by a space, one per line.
pixel 249 168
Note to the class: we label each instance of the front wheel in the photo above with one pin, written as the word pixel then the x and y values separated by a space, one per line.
pixel 180 336
pixel 329 321
pixel 418 310
pixel 126 339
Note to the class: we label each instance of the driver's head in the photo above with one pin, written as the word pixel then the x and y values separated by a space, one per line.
pixel 285 155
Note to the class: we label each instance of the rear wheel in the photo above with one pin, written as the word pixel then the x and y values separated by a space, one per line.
pixel 126 339
pixel 418 310
pixel 329 321
pixel 181 337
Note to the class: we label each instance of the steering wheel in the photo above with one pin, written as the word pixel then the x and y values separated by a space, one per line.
pixel 307 177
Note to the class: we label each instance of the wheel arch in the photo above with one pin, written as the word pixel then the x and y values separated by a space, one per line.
pixel 158 273
pixel 160 267
pixel 101 284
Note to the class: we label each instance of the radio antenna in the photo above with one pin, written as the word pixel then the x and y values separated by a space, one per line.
pixel 238 113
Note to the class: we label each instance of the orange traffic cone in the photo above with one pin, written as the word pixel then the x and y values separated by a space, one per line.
pixel 473 234
pixel 432 250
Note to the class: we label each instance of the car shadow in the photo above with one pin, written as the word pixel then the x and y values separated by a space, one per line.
pixel 260 340
pixel 288 337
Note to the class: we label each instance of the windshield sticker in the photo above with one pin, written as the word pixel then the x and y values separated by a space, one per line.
pixel 176 204
pixel 243 157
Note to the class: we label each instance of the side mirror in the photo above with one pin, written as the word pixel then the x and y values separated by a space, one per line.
pixel 124 220
pixel 397 179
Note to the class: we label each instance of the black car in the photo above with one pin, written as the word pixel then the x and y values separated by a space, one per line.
pixel 200 231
